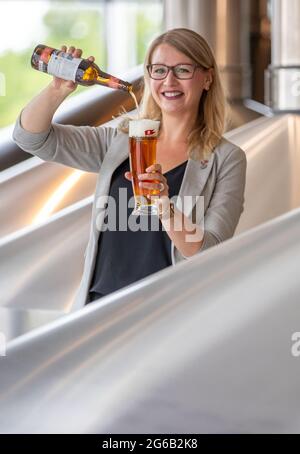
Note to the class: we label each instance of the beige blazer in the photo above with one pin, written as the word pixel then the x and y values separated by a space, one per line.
pixel 221 181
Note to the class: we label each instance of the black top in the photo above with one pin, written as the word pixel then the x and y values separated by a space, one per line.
pixel 125 256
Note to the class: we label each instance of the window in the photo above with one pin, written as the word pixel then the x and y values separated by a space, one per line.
pixel 116 32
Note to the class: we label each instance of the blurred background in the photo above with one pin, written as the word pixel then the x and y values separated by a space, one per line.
pixel 117 33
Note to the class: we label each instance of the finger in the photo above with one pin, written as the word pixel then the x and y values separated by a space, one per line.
pixel 156 186
pixel 77 53
pixel 154 167
pixel 128 175
pixel 71 50
pixel 151 176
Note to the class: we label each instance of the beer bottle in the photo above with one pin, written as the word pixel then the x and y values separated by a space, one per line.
pixel 79 70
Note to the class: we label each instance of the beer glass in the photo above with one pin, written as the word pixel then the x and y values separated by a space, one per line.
pixel 142 154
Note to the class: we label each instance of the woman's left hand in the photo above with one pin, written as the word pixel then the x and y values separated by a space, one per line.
pixel 154 172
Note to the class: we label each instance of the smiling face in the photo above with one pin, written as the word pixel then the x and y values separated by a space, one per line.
pixel 190 89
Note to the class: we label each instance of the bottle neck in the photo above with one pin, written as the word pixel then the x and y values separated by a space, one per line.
pixel 113 83
pixel 102 80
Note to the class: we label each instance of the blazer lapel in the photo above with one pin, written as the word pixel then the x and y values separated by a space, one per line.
pixel 194 179
pixel 119 154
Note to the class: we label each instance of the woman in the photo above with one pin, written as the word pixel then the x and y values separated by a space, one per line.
pixel 182 90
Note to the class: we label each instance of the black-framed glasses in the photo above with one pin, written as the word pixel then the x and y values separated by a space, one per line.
pixel 181 71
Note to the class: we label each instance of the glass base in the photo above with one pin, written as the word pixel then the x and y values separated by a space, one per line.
pixel 144 209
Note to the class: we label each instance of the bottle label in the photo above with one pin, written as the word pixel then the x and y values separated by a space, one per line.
pixel 42 66
pixel 63 65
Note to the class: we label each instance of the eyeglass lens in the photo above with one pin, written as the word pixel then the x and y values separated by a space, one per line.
pixel 180 71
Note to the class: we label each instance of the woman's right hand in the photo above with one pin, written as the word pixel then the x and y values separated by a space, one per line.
pixel 68 85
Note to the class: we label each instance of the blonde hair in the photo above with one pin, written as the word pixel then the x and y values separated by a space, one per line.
pixel 210 122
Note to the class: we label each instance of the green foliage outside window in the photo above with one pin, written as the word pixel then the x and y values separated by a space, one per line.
pixel 82 28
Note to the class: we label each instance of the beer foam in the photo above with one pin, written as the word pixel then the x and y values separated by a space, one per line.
pixel 143 128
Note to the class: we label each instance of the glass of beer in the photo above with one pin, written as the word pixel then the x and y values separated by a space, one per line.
pixel 142 154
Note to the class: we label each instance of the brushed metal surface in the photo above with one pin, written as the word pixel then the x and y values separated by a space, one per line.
pixel 16 322
pixel 202 347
